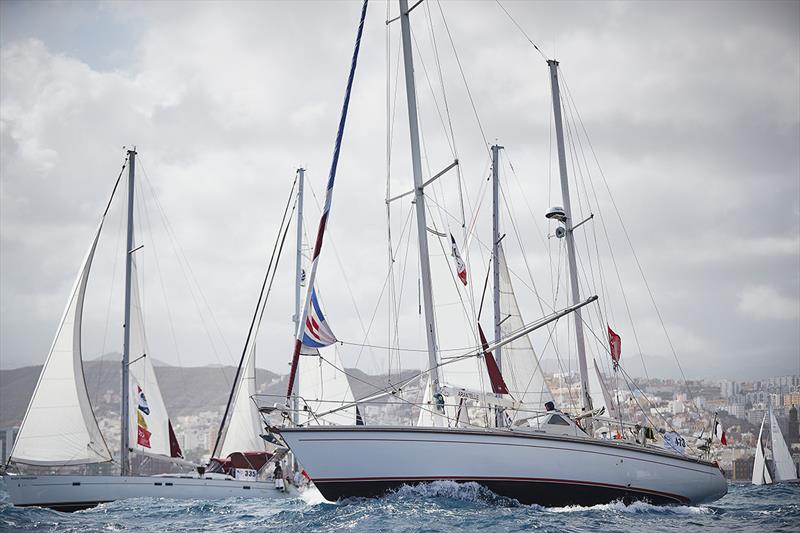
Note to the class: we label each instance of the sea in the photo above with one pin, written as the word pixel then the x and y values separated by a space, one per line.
pixel 438 506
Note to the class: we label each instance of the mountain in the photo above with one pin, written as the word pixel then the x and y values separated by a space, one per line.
pixel 186 390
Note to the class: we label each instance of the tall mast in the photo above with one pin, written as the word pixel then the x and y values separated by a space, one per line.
pixel 568 223
pixel 496 261
pixel 298 279
pixel 419 199
pixel 126 343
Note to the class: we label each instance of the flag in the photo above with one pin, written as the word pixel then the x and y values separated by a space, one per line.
pixel 143 437
pixel 142 401
pixel 720 433
pixel 461 268
pixel 317 333
pixel 615 342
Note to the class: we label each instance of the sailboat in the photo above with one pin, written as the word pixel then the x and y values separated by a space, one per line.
pixel 59 431
pixel 784 470
pixel 547 458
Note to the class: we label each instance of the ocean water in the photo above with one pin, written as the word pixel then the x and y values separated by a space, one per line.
pixel 439 506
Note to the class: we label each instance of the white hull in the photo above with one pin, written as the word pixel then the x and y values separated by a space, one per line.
pixel 532 468
pixel 75 492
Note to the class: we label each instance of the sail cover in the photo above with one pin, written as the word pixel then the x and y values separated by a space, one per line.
pixel 150 429
pixel 59 427
pixel 520 365
pixel 784 466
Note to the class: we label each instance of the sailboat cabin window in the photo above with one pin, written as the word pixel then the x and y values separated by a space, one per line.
pixel 557 420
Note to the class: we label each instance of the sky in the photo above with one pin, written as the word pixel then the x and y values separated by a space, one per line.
pixel 692 110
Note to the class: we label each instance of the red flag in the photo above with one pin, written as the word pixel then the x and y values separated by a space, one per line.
pixel 461 268
pixel 143 437
pixel 495 377
pixel 721 434
pixel 615 342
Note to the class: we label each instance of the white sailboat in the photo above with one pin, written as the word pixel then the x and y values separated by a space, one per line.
pixel 59 431
pixel 784 470
pixel 551 460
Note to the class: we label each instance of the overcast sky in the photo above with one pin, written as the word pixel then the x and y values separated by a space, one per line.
pixel 692 108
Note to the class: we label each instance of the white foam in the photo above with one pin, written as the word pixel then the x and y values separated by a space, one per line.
pixel 633 508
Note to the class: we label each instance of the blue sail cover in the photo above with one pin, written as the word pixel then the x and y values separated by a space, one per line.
pixel 317 333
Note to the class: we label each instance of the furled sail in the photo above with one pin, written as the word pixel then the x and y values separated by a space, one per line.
pixel 242 432
pixel 150 428
pixel 59 427
pixel 760 473
pixel 784 466
pixel 323 386
pixel 520 365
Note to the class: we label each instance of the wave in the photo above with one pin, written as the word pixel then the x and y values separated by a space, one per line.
pixel 632 508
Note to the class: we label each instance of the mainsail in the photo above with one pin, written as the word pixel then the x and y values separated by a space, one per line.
pixel 760 473
pixel 149 428
pixel 59 427
pixel 782 459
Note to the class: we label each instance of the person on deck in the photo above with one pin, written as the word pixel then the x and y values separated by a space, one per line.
pixel 277 475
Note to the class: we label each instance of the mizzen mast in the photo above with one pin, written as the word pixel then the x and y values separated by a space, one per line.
pixel 566 218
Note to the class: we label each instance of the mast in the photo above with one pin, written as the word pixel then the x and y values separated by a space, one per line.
pixel 568 223
pixel 298 279
pixel 126 343
pixel 419 199
pixel 496 262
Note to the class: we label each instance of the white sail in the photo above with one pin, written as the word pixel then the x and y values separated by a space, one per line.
pixel 520 365
pixel 601 397
pixel 324 386
pixel 782 459
pixel 428 415
pixel 760 472
pixel 59 427
pixel 242 432
pixel 149 426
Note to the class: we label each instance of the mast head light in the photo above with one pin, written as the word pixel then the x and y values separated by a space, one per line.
pixel 557 213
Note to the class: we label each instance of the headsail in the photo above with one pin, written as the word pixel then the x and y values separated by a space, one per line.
pixel 150 428
pixel 601 397
pixel 760 473
pixel 59 427
pixel 323 387
pixel 242 432
pixel 521 368
pixel 784 466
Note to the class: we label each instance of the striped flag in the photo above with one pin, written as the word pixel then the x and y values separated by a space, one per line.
pixel 461 268
pixel 317 333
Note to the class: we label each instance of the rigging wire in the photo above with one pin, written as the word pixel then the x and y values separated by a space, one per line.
pixel 520 29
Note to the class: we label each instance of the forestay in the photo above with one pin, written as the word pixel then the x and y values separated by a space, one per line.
pixel 59 427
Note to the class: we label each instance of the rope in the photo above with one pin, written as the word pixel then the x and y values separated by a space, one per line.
pixel 520 29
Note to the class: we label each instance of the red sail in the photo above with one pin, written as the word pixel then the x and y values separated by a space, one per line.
pixel 495 377
pixel 174 447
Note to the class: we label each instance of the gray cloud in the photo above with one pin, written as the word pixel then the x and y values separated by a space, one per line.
pixel 693 110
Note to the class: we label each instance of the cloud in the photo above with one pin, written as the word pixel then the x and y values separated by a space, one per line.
pixel 696 132
pixel 765 303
